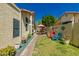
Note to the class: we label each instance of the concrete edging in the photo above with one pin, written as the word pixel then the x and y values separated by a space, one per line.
pixel 28 50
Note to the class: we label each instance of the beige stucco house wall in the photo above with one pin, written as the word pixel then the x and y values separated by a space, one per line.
pixel 13 24
pixel 72 26
pixel 8 12
pixel 27 18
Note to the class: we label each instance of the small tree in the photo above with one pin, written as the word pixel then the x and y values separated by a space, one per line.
pixel 48 20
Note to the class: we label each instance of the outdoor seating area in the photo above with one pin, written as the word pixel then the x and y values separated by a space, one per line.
pixel 56 32
pixel 41 29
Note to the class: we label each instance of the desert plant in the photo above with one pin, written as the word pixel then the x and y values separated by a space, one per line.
pixel 8 51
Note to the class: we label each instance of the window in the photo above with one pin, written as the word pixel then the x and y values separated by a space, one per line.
pixel 26 27
pixel 26 23
pixel 15 28
pixel 27 20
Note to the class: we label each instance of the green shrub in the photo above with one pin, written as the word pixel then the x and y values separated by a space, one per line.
pixel 62 41
pixel 8 51
pixel 62 27
pixel 29 35
pixel 23 41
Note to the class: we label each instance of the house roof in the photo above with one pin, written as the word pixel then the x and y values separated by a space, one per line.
pixel 70 12
pixel 58 23
pixel 14 6
pixel 18 9
pixel 30 12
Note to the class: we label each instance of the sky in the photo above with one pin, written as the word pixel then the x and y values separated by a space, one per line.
pixel 45 9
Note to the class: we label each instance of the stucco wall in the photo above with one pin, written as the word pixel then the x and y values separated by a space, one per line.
pixel 23 21
pixel 7 13
pixel 23 29
pixel 67 17
pixel 68 30
pixel 75 40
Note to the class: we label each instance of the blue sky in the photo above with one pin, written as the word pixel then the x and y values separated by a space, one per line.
pixel 44 9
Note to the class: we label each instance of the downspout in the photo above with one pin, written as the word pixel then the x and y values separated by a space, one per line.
pixel 21 26
pixel 30 24
pixel 73 27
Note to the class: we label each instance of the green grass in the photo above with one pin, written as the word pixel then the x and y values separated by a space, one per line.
pixel 46 47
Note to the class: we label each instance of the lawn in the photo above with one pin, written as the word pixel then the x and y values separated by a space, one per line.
pixel 46 47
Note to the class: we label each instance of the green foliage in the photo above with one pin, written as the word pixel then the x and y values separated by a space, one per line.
pixel 62 41
pixel 9 51
pixel 23 41
pixel 29 35
pixel 63 27
pixel 48 20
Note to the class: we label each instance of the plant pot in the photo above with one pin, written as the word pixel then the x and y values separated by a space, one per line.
pixel 49 35
pixel 17 46
pixel 67 41
pixel 13 53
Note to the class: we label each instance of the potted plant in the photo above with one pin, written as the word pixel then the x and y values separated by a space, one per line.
pixel 23 40
pixel 67 39
pixel 17 46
